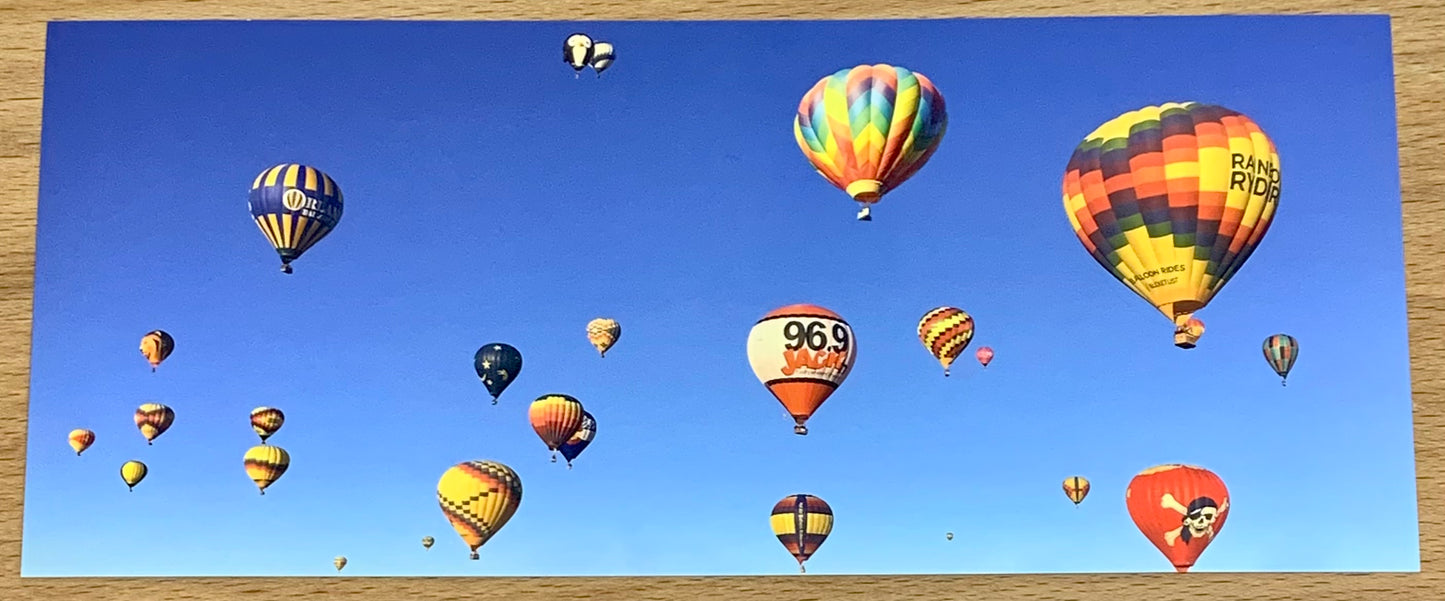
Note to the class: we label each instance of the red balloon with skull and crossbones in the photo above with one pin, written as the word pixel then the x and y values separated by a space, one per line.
pixel 1180 508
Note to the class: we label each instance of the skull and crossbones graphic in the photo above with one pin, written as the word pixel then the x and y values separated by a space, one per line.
pixel 1196 520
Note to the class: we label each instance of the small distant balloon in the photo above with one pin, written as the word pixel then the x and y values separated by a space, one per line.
pixel 985 355
pixel 132 472
pixel 155 346
pixel 945 332
pixel 497 364
pixel 266 421
pixel 802 523
pixel 154 419
pixel 81 439
pixel 949 536
pixel 1187 336
pixel 426 541
pixel 602 57
pixel 577 52
pixel 1076 487
pixel 603 333
pixel 1281 350
pixel 339 562
pixel 265 464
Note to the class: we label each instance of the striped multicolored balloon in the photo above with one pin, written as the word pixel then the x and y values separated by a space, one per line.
pixel 946 332
pixel 1280 350
pixel 265 464
pixel 802 523
pixel 869 128
pixel 154 419
pixel 478 497
pixel 555 417
pixel 1172 200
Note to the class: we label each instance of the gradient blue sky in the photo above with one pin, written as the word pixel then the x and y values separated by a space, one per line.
pixel 490 196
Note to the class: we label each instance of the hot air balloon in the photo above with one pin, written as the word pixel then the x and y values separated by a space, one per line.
pixel 497 364
pixel 802 523
pixel 801 353
pixel 81 439
pixel 478 497
pixel 1180 508
pixel 266 421
pixel 948 535
pixel 132 472
pixel 1172 200
pixel 602 57
pixel 945 332
pixel 265 464
pixel 426 541
pixel 1280 350
pixel 580 439
pixel 156 345
pixel 295 206
pixel 870 128
pixel 603 333
pixel 339 562
pixel 1076 487
pixel 555 417
pixel 984 355
pixel 577 52
pixel 153 419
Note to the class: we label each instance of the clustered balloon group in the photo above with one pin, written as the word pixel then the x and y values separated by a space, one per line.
pixel 1169 199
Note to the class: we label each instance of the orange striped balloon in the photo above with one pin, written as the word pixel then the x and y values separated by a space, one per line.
pixel 945 332
pixel 555 417
pixel 266 421
pixel 81 439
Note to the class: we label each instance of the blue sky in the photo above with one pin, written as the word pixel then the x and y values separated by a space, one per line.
pixel 490 196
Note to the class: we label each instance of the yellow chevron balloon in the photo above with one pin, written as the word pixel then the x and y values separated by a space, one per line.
pixel 265 464
pixel 478 497
pixel 945 332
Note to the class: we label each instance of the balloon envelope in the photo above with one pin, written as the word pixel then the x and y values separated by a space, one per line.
pixel 801 353
pixel 1172 200
pixel 295 206
pixel 266 421
pixel 869 128
pixel 155 346
pixel 802 523
pixel 1179 508
pixel 80 439
pixel 945 332
pixel 1076 487
pixel 1281 350
pixel 265 464
pixel 154 419
pixel 478 497
pixel 603 333
pixel 497 364
pixel 579 439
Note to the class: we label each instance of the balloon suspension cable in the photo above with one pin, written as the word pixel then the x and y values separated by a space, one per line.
pixel 801 568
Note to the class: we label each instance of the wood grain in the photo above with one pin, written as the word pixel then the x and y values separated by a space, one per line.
pixel 1419 42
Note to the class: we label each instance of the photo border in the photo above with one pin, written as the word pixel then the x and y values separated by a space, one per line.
pixel 1418 38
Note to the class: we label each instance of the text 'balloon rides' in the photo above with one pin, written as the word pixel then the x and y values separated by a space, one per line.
pixel 295 206
pixel 155 346
pixel 1172 200
pixel 80 439
pixel 802 523
pixel 1280 350
pixel 497 364
pixel 265 464
pixel 1179 508
pixel 478 497
pixel 801 353
pixel 870 128
pixel 154 419
pixel 945 332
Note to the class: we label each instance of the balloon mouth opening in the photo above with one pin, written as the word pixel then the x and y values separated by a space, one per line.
pixel 866 191
pixel 1182 569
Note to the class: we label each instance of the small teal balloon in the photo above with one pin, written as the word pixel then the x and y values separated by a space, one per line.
pixel 497 364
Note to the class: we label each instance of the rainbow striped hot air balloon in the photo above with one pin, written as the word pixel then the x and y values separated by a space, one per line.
pixel 1172 200
pixel 869 128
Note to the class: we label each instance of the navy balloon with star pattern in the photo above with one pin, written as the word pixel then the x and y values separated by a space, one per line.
pixel 497 364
